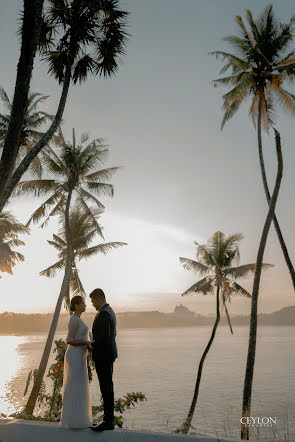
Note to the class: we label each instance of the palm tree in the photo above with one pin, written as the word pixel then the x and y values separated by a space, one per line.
pixel 82 234
pixel 30 36
pixel 77 38
pixel 247 393
pixel 10 228
pixel 259 68
pixel 75 175
pixel 215 261
pixel 30 134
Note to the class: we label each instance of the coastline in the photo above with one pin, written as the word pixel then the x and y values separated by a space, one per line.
pixel 21 430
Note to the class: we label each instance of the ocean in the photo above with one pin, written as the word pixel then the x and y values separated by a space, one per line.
pixel 162 363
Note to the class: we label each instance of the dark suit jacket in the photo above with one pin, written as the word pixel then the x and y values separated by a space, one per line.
pixel 104 335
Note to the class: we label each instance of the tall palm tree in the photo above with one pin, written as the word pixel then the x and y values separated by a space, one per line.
pixel 78 38
pixel 74 175
pixel 10 228
pixel 247 393
pixel 260 66
pixel 31 132
pixel 215 261
pixel 82 234
pixel 30 36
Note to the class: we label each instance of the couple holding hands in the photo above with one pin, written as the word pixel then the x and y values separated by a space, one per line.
pixel 77 409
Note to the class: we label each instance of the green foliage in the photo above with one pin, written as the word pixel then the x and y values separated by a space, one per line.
pixel 82 234
pixel 88 36
pixel 10 228
pixel 31 132
pixel 53 401
pixel 120 405
pixel 263 60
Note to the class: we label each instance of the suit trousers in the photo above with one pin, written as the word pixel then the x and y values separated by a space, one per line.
pixel 104 370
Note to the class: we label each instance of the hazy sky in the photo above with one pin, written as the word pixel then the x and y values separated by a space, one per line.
pixel 182 180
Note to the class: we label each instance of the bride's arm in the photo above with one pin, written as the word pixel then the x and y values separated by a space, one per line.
pixel 72 330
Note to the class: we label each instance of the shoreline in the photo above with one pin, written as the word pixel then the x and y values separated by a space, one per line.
pixel 21 430
pixel 36 332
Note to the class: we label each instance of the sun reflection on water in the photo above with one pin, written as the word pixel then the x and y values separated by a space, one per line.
pixel 8 369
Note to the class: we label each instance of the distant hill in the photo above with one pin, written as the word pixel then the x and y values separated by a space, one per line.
pixel 20 323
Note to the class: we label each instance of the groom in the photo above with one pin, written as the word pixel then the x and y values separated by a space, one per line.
pixel 104 353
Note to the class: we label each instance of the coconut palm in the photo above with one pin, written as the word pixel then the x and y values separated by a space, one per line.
pixel 82 234
pixel 10 228
pixel 30 35
pixel 78 39
pixel 260 66
pixel 247 393
pixel 31 133
pixel 215 262
pixel 74 174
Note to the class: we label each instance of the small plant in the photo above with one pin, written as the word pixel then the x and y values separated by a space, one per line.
pixel 53 401
pixel 120 405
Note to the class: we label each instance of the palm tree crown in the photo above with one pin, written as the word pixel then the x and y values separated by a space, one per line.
pixel 91 35
pixel 262 62
pixel 216 260
pixel 31 132
pixel 76 169
pixel 10 228
pixel 82 234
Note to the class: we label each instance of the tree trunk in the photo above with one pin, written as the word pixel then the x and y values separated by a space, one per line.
pixel 31 23
pixel 25 163
pixel 187 424
pixel 266 190
pixel 253 318
pixel 29 408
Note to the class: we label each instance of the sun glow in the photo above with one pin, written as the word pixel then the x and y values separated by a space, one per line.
pixel 9 346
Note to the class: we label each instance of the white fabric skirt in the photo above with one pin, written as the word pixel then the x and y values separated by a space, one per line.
pixel 76 410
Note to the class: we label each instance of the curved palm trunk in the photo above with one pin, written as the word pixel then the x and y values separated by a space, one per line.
pixel 31 22
pixel 29 408
pixel 31 155
pixel 187 424
pixel 266 190
pixel 228 318
pixel 253 318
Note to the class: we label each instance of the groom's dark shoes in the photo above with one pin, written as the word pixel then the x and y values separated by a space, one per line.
pixel 102 427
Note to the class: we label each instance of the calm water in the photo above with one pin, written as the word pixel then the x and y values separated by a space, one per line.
pixel 162 363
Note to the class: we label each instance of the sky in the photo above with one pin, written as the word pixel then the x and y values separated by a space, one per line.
pixel 182 178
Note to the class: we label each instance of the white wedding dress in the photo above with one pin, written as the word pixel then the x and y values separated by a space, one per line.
pixel 76 410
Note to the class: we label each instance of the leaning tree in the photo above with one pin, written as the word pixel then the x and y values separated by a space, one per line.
pixel 262 63
pixel 76 39
pixel 216 263
pixel 74 174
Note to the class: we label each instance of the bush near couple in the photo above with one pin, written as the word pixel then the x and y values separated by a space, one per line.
pixel 77 410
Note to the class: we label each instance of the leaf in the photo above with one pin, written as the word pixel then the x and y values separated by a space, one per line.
pixel 203 286
pixel 196 266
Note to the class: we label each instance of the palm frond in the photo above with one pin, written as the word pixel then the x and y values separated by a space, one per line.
pixel 100 188
pixel 104 174
pixel 91 215
pixel 244 270
pixel 42 209
pixel 203 286
pixel 196 266
pixel 37 187
pixel 239 290
pixel 76 285
pixel 50 272
pixel 100 248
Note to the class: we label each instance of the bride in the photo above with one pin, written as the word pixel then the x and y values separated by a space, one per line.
pixel 76 410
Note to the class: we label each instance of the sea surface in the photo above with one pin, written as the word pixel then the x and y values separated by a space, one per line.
pixel 163 363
